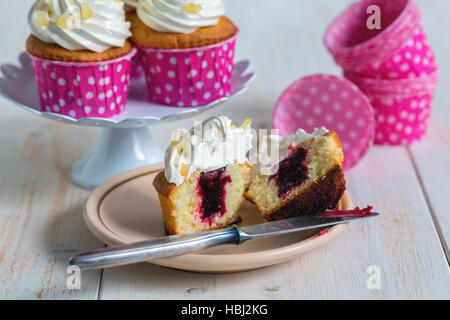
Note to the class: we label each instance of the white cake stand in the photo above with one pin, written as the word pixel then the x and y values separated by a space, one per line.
pixel 125 142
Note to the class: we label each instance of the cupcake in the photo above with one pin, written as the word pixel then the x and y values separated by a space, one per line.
pixel 81 56
pixel 206 170
pixel 309 179
pixel 187 50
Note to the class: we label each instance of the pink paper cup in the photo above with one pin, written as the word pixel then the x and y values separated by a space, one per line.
pixel 400 88
pixel 365 51
pixel 137 70
pixel 402 107
pixel 189 77
pixel 83 89
pixel 332 102
pixel 414 60
pixel 401 121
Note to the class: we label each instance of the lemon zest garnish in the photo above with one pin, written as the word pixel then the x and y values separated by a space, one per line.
pixel 42 19
pixel 246 123
pixel 192 8
pixel 86 11
pixel 184 170
pixel 62 22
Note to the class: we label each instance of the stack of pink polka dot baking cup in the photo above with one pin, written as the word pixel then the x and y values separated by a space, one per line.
pixel 394 66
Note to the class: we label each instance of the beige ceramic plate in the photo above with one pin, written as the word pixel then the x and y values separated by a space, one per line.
pixel 126 209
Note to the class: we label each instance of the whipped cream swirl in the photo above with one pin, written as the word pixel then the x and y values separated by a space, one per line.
pixel 209 145
pixel 95 25
pixel 180 16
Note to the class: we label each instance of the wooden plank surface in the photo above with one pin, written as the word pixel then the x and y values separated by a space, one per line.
pixel 432 155
pixel 402 242
pixel 40 210
pixel 432 160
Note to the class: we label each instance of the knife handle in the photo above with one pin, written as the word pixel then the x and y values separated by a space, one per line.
pixel 154 249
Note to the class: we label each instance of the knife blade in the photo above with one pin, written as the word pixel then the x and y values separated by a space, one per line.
pixel 301 223
pixel 181 244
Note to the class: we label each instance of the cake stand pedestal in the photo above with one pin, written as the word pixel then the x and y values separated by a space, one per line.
pixel 117 150
pixel 125 142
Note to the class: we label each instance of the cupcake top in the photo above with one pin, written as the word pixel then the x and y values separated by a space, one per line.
pixel 180 16
pixel 95 25
pixel 209 145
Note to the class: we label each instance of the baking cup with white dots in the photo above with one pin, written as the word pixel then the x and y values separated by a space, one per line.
pixel 401 115
pixel 403 124
pixel 137 70
pixel 331 102
pixel 189 77
pixel 83 89
pixel 362 50
pixel 398 87
pixel 399 50
pixel 394 66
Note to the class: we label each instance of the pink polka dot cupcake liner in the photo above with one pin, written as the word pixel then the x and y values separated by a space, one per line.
pixel 83 89
pixel 401 121
pixel 399 88
pixel 402 107
pixel 137 70
pixel 397 50
pixel 189 77
pixel 414 60
pixel 332 102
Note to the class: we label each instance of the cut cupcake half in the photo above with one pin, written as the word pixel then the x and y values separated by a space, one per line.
pixel 308 178
pixel 205 175
pixel 207 200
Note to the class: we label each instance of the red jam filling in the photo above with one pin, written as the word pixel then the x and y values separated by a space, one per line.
pixel 357 212
pixel 292 172
pixel 211 190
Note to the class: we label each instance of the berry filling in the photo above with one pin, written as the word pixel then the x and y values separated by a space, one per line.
pixel 357 212
pixel 211 190
pixel 292 172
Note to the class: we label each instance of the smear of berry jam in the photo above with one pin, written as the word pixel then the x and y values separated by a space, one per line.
pixel 322 233
pixel 357 212
pixel 212 192
pixel 292 172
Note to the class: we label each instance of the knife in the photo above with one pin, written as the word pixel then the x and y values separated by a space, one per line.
pixel 181 244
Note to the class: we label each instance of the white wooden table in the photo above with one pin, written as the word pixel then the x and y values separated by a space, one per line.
pixel 40 210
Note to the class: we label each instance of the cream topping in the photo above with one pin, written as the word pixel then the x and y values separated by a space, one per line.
pixel 209 145
pixel 180 16
pixel 95 25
